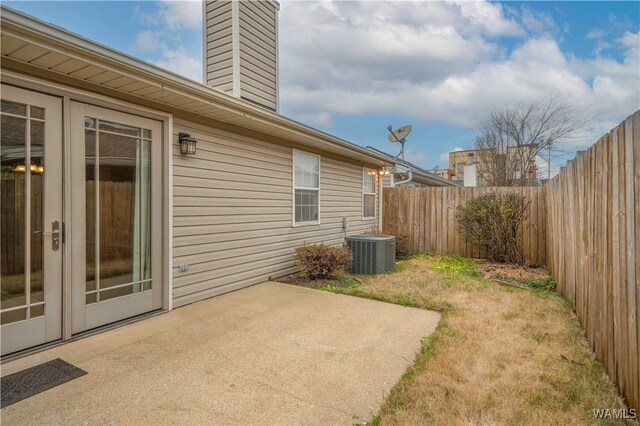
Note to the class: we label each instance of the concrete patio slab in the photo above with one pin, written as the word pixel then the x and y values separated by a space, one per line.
pixel 269 354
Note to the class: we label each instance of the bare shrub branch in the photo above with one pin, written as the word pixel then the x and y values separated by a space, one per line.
pixel 512 138
pixel 490 223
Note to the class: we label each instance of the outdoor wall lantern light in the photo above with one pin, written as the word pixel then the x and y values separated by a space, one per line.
pixel 385 171
pixel 187 144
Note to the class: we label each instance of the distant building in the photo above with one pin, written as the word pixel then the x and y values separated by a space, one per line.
pixel 471 167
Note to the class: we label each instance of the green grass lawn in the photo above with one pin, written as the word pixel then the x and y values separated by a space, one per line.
pixel 500 355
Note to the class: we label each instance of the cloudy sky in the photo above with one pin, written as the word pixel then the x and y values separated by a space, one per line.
pixel 352 68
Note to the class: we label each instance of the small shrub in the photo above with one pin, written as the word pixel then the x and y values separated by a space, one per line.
pixel 322 262
pixel 490 223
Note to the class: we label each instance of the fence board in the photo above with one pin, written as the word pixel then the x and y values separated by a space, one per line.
pixel 431 225
pixel 593 238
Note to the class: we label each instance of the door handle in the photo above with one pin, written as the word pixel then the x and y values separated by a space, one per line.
pixel 55 233
pixel 46 232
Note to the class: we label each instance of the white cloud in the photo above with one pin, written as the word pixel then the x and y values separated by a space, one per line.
pixel 595 34
pixel 537 22
pixel 440 61
pixel 181 62
pixel 149 41
pixel 630 40
pixel 161 39
pixel 178 14
pixel 320 118
pixel 415 157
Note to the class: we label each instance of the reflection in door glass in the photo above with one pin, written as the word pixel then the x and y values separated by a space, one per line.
pixel 90 212
pixel 37 222
pixel 21 207
pixel 118 200
pixel 13 153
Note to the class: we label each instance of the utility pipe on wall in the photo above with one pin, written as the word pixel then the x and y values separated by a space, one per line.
pixel 380 178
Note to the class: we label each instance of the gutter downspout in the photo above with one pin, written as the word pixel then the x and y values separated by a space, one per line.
pixel 407 180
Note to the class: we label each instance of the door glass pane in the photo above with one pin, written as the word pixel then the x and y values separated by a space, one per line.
pixel 117 213
pixel 36 311
pixel 37 223
pixel 118 200
pixel 13 206
pixel 11 107
pixel 90 200
pixel 145 213
pixel 119 128
pixel 13 316
pixel 37 112
pixel 119 292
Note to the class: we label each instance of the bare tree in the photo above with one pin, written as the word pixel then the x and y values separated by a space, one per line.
pixel 512 138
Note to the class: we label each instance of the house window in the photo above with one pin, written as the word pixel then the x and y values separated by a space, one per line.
pixel 306 187
pixel 368 194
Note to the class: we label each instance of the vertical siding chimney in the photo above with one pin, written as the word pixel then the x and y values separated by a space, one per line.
pixel 241 49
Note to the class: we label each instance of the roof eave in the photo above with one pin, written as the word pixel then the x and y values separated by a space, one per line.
pixel 32 29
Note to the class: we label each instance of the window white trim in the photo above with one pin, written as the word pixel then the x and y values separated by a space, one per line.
pixel 294 187
pixel 365 174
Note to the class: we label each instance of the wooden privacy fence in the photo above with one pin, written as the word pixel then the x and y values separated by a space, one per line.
pixel 584 225
pixel 593 248
pixel 426 216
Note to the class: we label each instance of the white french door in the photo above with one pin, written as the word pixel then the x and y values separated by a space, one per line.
pixel 31 222
pixel 116 205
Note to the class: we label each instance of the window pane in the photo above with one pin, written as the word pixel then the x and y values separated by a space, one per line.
pixel 306 170
pixel 12 189
pixel 369 183
pixel 306 209
pixel 369 205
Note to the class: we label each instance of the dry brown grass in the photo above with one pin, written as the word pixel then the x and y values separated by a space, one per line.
pixel 501 355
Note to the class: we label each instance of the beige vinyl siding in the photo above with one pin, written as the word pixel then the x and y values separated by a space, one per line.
pixel 258 50
pixel 218 46
pixel 233 211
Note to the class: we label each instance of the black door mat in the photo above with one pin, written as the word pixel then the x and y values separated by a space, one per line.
pixel 26 383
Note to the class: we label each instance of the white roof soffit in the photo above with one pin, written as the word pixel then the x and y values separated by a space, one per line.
pixel 37 45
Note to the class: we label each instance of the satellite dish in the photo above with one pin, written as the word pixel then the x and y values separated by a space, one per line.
pixel 399 134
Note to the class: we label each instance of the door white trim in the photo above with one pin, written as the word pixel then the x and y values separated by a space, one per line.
pixel 23 334
pixel 85 317
pixel 81 95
